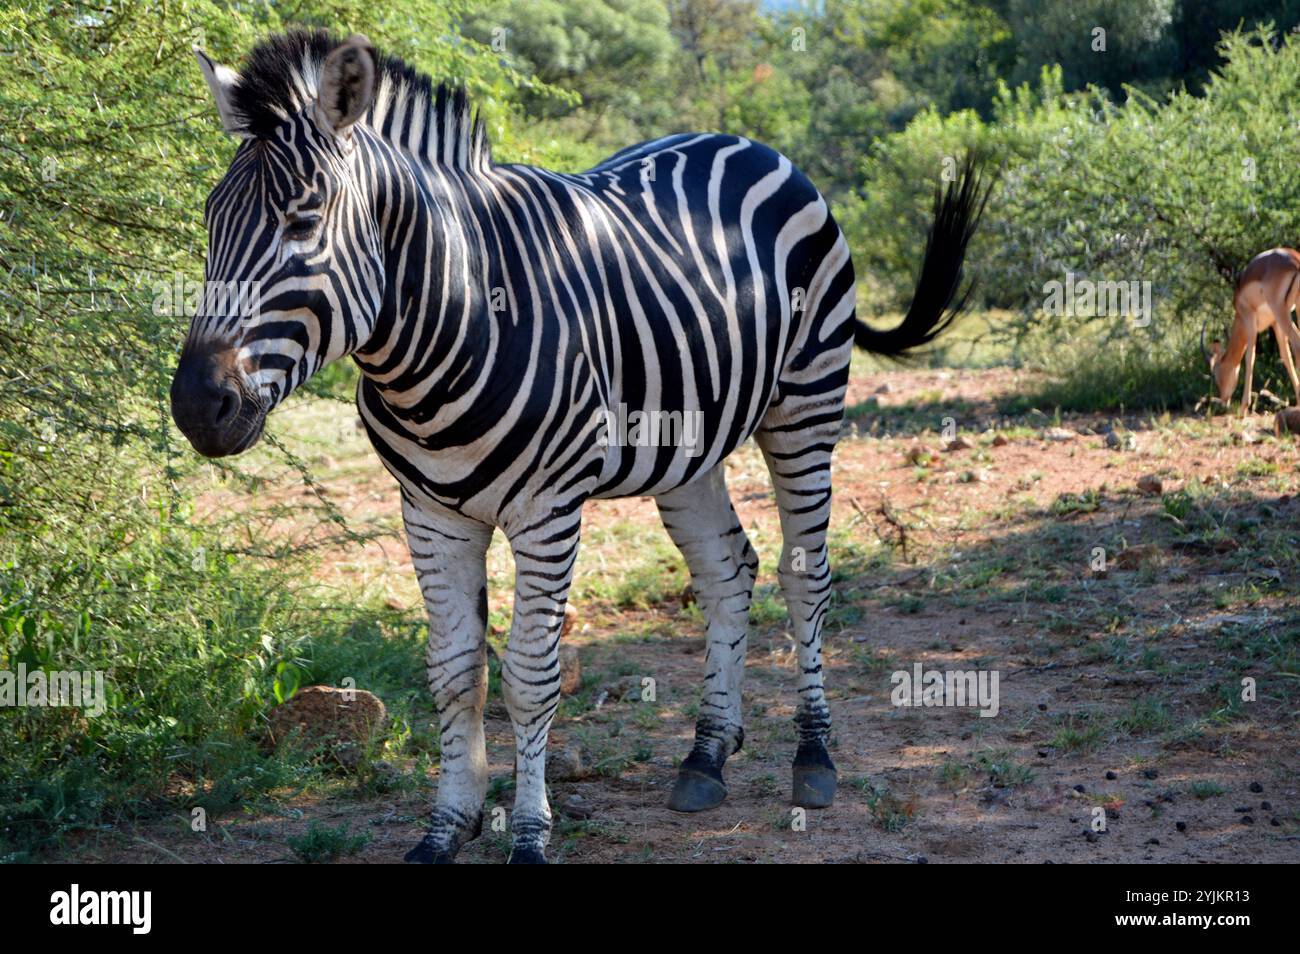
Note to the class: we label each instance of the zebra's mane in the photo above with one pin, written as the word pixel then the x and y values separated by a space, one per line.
pixel 434 123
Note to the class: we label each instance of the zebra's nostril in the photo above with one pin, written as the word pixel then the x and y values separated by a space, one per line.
pixel 228 406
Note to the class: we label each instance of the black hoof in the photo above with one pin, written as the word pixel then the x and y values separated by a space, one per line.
pixel 427 852
pixel 814 777
pixel 697 791
pixel 526 855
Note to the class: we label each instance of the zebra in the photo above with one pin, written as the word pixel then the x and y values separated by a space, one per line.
pixel 499 314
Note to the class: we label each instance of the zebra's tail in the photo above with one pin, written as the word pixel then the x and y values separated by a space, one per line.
pixel 935 303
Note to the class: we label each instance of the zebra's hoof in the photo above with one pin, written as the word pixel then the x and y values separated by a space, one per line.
pixel 815 777
pixel 526 855
pixel 696 791
pixel 428 852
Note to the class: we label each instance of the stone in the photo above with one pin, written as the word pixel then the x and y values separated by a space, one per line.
pixel 1133 557
pixel 339 722
pixel 577 808
pixel 565 765
pixel 570 671
pixel 1058 434
pixel 918 455
pixel 1000 440
pixel 1150 484
pixel 958 443
pixel 570 619
pixel 1287 421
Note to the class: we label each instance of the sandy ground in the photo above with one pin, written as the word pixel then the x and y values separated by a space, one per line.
pixel 1119 688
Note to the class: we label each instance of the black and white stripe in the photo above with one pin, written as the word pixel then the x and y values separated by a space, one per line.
pixel 496 311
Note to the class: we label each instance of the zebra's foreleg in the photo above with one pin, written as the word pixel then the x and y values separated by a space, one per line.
pixel 449 556
pixel 530 673
pixel 701 521
pixel 799 463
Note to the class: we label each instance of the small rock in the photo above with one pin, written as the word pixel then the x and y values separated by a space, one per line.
pixel 570 619
pixel 1248 819
pixel 1111 776
pixel 1256 787
pixel 341 722
pixel 1266 806
pixel 918 455
pixel 1092 836
pixel 958 443
pixel 1150 773
pixel 1150 484
pixel 1287 421
pixel 1133 557
pixel 577 808
pixel 570 670
pixel 974 477
pixel 1058 434
pixel 1121 441
pixel 885 388
pixel 564 765
pixel 1181 826
pixel 1079 788
pixel 1000 440
pixel 1153 841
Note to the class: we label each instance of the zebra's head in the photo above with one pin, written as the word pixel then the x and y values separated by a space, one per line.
pixel 294 276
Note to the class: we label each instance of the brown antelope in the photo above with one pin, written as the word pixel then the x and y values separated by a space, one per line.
pixel 1267 290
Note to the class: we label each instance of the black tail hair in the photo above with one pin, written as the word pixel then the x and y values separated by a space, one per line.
pixel 956 214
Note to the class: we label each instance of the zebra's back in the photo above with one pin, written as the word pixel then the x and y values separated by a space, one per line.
pixel 707 267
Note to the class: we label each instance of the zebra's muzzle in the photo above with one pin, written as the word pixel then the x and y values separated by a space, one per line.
pixel 210 406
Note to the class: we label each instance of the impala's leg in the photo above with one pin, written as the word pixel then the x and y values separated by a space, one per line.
pixel 1247 398
pixel 1280 332
pixel 701 521
pixel 797 437
pixel 530 673
pixel 449 556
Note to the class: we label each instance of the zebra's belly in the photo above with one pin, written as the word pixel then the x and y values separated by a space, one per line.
pixel 651 453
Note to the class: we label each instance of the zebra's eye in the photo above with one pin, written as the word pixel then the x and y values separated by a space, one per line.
pixel 302 228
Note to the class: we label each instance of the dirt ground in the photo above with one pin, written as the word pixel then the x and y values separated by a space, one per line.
pixel 1120 672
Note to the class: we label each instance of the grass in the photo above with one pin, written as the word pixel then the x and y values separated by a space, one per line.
pixel 321 844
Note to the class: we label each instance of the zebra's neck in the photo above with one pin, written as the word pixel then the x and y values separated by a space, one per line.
pixel 431 329
pixel 434 126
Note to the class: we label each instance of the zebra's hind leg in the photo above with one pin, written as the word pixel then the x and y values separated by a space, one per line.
pixel 449 554
pixel 530 672
pixel 799 459
pixel 701 521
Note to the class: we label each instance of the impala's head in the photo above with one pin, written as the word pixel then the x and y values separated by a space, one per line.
pixel 293 278
pixel 1224 373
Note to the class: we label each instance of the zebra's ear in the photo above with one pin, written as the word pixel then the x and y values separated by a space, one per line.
pixel 221 80
pixel 347 84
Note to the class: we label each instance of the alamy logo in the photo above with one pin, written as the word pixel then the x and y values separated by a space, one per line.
pixel 54 689
pixel 102 907
pixel 1085 298
pixel 623 428
pixel 182 297
pixel 953 687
